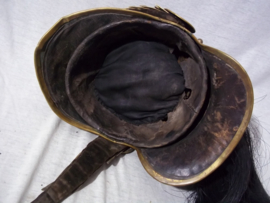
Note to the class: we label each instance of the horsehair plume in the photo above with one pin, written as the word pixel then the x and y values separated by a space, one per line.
pixel 236 180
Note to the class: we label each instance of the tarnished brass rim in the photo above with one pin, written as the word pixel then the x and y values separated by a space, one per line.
pixel 53 29
pixel 228 59
pixel 249 103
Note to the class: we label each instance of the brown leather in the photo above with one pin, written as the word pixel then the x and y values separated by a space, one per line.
pixel 165 14
pixel 97 153
pixel 82 69
pixel 217 125
pixel 83 57
pixel 197 131
pixel 59 49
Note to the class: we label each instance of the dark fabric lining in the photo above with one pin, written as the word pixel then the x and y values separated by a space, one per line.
pixel 140 82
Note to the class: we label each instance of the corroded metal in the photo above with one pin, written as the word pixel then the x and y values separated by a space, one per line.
pixel 219 105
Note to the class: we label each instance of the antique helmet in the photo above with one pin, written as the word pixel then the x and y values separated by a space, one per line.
pixel 140 79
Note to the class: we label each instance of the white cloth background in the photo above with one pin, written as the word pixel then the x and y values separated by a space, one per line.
pixel 35 145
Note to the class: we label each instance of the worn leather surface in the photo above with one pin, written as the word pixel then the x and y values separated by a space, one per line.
pixel 82 69
pixel 59 50
pixel 96 154
pixel 165 14
pixel 80 59
pixel 217 126
pixel 36 145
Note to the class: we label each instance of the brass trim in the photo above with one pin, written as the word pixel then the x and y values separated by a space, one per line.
pixel 191 26
pixel 250 99
pixel 53 106
pixel 52 30
pixel 72 16
pixel 144 162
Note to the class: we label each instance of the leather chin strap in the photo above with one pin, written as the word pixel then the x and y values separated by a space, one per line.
pixel 93 157
pixel 129 83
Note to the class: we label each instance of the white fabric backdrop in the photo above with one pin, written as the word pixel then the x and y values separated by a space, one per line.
pixel 35 145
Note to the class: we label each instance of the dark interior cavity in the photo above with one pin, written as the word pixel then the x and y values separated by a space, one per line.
pixel 160 125
pixel 140 82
